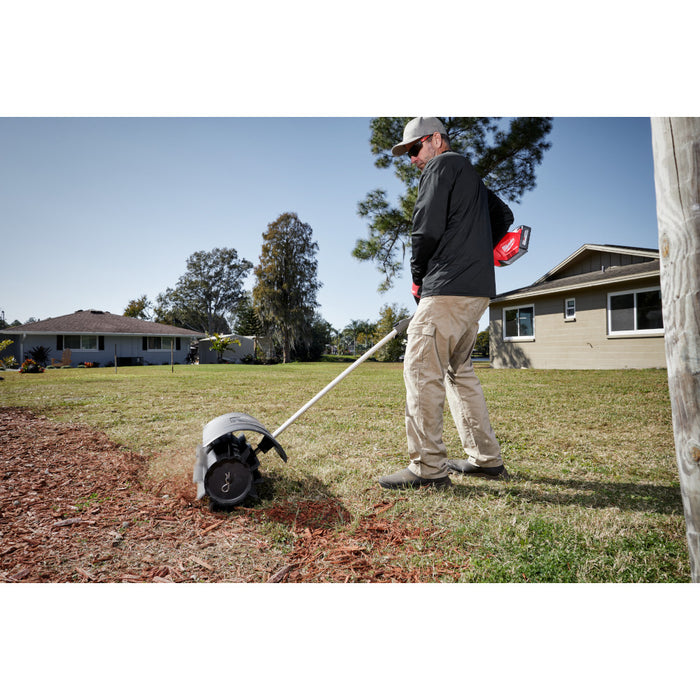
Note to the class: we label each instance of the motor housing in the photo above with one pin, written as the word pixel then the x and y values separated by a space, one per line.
pixel 227 467
pixel 232 467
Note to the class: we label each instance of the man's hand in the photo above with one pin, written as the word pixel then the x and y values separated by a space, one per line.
pixel 415 290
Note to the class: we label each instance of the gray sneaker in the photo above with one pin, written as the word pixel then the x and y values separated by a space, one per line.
pixel 406 479
pixel 462 466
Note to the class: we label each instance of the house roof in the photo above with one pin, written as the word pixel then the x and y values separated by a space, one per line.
pixel 556 280
pixel 628 253
pixel 101 323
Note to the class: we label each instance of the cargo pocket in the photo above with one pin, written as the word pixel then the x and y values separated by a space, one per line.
pixel 421 352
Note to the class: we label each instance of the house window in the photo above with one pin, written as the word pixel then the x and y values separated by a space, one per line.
pixel 80 342
pixel 519 323
pixel 159 343
pixel 635 312
pixel 570 310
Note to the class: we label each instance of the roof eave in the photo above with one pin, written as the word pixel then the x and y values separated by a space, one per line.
pixel 10 330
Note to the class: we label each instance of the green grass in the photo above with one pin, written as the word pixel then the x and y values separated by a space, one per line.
pixel 594 496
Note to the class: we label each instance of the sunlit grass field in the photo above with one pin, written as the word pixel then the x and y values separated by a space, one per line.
pixel 594 494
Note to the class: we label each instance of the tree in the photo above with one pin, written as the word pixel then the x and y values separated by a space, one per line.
pixel 481 347
pixel 317 336
pixel 211 288
pixel 366 335
pixel 139 308
pixel 285 292
pixel 355 330
pixel 221 344
pixel 389 316
pixel 247 321
pixel 504 153
pixel 676 145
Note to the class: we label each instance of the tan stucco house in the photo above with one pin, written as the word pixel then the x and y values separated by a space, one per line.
pixel 598 309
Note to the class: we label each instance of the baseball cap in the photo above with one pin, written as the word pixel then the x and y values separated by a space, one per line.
pixel 415 129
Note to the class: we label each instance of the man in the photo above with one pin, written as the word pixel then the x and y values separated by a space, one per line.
pixel 453 279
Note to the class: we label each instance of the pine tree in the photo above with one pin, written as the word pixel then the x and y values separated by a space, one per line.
pixel 285 292
pixel 247 320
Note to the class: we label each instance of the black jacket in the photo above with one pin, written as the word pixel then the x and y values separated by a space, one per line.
pixel 452 250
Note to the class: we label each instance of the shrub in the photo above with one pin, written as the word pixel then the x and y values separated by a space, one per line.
pixel 29 366
pixel 8 360
pixel 40 354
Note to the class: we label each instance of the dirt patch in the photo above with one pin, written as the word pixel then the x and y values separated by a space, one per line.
pixel 75 506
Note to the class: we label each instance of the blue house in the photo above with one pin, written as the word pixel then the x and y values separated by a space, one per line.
pixel 99 337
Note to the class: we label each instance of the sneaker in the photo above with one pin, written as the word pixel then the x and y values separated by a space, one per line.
pixel 406 479
pixel 462 466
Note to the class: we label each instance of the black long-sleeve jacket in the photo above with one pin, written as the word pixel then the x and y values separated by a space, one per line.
pixel 452 250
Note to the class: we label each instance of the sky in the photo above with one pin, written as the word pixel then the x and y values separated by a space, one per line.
pixel 99 211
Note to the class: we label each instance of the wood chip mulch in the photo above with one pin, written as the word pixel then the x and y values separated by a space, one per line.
pixel 368 550
pixel 76 507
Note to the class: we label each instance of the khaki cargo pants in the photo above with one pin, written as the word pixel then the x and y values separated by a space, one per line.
pixel 437 362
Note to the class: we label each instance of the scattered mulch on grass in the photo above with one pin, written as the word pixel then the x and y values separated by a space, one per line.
pixel 77 507
pixel 366 551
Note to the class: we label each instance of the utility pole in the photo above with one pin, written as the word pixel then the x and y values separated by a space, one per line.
pixel 676 148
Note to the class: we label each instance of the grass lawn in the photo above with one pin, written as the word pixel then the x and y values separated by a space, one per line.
pixel 594 494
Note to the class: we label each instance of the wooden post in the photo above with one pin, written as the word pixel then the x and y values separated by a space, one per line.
pixel 676 147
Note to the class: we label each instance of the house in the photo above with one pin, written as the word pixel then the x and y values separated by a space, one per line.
pixel 598 309
pixel 234 353
pixel 250 346
pixel 99 337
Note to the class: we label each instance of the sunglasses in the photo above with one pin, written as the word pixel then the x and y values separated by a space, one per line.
pixel 414 150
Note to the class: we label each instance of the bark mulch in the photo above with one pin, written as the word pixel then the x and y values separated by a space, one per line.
pixel 76 507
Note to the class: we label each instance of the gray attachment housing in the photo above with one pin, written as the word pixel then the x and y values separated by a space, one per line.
pixel 217 440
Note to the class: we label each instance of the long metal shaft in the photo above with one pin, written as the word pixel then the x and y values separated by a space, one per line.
pixel 398 328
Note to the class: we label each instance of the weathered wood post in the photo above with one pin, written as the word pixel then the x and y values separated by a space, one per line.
pixel 676 148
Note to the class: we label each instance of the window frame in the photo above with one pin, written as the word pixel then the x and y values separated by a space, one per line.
pixel 161 338
pixel 567 316
pixel 518 338
pixel 82 347
pixel 634 331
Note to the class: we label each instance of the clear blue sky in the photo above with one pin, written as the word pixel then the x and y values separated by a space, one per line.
pixel 98 211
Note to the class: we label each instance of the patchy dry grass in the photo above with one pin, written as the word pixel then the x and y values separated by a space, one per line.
pixel 594 495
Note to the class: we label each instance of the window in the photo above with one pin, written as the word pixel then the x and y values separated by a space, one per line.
pixel 159 343
pixel 519 323
pixel 80 342
pixel 570 309
pixel 635 312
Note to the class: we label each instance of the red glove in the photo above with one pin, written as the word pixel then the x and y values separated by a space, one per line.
pixel 416 290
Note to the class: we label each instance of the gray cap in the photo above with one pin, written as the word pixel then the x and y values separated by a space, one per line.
pixel 417 128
